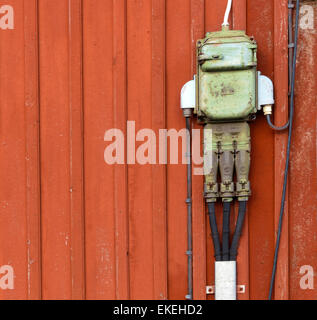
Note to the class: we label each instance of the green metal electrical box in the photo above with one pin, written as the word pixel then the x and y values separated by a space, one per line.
pixel 226 77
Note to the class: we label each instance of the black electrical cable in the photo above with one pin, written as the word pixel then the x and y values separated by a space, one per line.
pixel 189 213
pixel 238 231
pixel 282 128
pixel 214 230
pixel 280 225
pixel 290 63
pixel 290 41
pixel 226 231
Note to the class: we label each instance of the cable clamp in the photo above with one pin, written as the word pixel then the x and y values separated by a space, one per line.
pixel 227 190
pixel 211 191
pixel 291 6
pixel 189 253
pixel 243 189
pixel 291 45
pixel 189 201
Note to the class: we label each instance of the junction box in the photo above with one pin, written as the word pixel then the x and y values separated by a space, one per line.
pixel 226 82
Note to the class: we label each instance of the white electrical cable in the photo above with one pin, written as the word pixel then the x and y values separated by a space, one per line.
pixel 226 19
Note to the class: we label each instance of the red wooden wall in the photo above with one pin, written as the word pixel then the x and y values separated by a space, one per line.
pixel 73 227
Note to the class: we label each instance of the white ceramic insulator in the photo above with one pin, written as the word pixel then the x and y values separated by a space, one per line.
pixel 226 280
pixel 188 95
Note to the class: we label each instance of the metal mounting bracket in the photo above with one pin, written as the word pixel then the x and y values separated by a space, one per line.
pixel 210 290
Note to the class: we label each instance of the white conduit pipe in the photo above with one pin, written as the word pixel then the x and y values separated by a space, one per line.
pixel 226 19
pixel 226 280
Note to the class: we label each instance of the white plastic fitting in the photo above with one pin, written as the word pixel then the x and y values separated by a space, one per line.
pixel 267 110
pixel 226 280
pixel 265 93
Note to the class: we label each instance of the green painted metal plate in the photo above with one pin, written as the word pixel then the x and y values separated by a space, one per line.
pixel 226 95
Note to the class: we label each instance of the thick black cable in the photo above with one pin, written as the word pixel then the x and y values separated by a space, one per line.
pixel 214 230
pixel 280 225
pixel 226 231
pixel 238 231
pixel 189 213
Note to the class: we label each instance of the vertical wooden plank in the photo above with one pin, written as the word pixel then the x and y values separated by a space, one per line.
pixel 281 116
pixel 239 9
pixel 260 16
pixel 199 218
pixel 240 23
pixel 303 169
pixel 16 176
pixel 141 193
pixel 32 149
pixel 214 14
pixel 77 241
pixel 197 12
pixel 159 170
pixel 120 171
pixel 55 149
pixel 178 72
pixel 61 137
pixel 99 176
